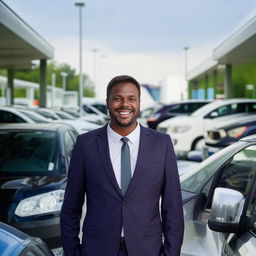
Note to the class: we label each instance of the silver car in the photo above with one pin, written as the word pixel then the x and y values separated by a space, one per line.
pixel 219 197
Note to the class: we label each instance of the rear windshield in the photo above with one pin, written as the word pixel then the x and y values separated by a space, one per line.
pixel 27 152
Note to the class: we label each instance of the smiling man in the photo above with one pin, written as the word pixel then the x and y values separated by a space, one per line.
pixel 124 169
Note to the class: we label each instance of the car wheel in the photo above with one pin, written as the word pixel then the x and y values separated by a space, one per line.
pixel 198 144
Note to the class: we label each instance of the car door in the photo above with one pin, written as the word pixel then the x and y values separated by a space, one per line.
pixel 237 173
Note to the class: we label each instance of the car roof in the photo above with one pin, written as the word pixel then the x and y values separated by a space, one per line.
pixel 35 126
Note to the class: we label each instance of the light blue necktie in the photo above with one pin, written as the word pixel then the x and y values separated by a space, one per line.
pixel 125 165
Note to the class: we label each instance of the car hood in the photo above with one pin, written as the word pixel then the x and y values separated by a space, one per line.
pixel 235 119
pixel 10 186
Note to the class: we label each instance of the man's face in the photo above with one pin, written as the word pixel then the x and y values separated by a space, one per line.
pixel 124 104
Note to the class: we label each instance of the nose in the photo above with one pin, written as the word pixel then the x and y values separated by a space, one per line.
pixel 125 103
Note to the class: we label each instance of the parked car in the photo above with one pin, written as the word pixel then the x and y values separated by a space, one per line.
pixel 219 201
pixel 14 115
pixel 147 112
pixel 34 160
pixel 81 126
pixel 188 132
pixel 16 243
pixel 227 132
pixel 179 108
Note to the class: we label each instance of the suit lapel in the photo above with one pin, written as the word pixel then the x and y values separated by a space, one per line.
pixel 105 157
pixel 144 151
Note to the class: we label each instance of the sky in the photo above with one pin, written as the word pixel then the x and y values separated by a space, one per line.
pixel 142 38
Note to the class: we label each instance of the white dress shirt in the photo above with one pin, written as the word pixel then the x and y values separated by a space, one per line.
pixel 115 145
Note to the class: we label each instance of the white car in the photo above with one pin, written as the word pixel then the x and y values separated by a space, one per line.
pixel 13 115
pixel 187 132
pixel 81 126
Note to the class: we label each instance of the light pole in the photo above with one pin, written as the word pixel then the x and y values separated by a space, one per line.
pixel 80 101
pixel 186 48
pixel 94 70
pixel 53 88
pixel 64 81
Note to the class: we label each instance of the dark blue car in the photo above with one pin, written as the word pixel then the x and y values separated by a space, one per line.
pixel 34 161
pixel 16 243
pixel 230 131
pixel 174 109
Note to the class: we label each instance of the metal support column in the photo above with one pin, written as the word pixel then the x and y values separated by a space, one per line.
pixel 206 85
pixel 215 81
pixel 228 81
pixel 10 87
pixel 42 90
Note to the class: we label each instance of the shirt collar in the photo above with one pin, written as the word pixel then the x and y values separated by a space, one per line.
pixel 133 136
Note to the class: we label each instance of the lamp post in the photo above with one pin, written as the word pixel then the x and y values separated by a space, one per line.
pixel 186 48
pixel 80 101
pixel 94 70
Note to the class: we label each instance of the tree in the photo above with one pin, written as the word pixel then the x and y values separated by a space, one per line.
pixel 72 81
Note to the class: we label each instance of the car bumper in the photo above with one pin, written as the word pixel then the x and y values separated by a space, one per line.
pixel 48 230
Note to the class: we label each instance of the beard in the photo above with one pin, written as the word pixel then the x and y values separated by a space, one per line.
pixel 123 122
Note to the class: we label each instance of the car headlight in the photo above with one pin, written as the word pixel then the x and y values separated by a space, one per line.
pixel 180 128
pixel 40 204
pixel 237 132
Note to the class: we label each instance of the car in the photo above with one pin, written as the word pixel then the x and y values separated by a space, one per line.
pixel 34 160
pixel 187 132
pixel 227 132
pixel 219 203
pixel 20 115
pixel 16 243
pixel 179 108
pixel 147 112
pixel 81 126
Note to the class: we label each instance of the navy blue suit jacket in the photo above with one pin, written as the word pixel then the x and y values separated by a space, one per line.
pixel 155 177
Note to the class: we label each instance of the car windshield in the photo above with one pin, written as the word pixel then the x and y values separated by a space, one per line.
pixel 193 180
pixel 64 115
pixel 205 109
pixel 34 116
pixel 27 152
pixel 101 107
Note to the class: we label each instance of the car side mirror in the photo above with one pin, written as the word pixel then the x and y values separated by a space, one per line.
pixel 226 211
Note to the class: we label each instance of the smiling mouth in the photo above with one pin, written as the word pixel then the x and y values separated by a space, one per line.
pixel 124 113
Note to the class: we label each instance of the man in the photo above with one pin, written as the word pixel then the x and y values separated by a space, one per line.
pixel 124 169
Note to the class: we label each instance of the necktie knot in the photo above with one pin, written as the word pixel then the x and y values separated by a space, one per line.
pixel 124 139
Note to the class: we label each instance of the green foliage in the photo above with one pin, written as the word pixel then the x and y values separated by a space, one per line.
pixel 72 79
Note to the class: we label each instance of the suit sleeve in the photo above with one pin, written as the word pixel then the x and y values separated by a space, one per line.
pixel 73 201
pixel 171 205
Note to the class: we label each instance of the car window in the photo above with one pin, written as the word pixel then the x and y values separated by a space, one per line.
pixel 47 115
pixel 34 116
pixel 88 110
pixel 101 107
pixel 7 117
pixel 239 173
pixel 251 107
pixel 194 180
pixel 27 152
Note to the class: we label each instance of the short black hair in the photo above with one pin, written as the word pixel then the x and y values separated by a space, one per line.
pixel 122 79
